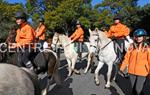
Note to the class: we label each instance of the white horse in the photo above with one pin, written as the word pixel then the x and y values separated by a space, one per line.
pixel 106 53
pixel 69 51
pixel 93 50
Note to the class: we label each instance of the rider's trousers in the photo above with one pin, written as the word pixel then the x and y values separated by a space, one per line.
pixel 119 48
pixel 24 58
pixel 137 83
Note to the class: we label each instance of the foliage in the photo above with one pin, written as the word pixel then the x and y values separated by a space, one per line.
pixel 7 17
pixel 126 9
pixel 61 15
pixel 144 16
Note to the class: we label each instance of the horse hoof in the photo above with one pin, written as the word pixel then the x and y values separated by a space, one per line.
pixel 107 87
pixel 92 71
pixel 70 73
pixel 76 71
pixel 114 79
pixel 97 83
pixel 85 72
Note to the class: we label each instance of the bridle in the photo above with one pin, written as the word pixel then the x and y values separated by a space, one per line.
pixel 95 46
pixel 97 41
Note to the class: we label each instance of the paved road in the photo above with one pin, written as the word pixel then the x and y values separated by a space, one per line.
pixel 84 84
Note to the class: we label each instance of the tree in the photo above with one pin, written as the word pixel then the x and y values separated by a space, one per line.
pixel 7 19
pixel 61 15
pixel 126 9
pixel 144 14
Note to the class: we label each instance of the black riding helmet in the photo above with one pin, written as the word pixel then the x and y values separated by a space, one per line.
pixel 21 15
pixel 117 18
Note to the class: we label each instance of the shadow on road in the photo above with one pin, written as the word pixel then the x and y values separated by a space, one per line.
pixel 113 91
pixel 64 90
pixel 124 84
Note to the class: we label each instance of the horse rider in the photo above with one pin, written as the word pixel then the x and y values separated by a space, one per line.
pixel 78 37
pixel 137 60
pixel 118 33
pixel 40 32
pixel 25 36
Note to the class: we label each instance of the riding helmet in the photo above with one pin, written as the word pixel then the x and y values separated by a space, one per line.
pixel 21 15
pixel 117 18
pixel 139 32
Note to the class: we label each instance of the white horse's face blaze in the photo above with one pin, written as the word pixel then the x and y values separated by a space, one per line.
pixel 55 38
pixel 94 39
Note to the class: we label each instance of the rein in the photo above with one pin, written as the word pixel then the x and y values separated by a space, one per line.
pixel 106 45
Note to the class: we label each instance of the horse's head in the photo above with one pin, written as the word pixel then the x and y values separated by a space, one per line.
pixel 94 39
pixel 55 40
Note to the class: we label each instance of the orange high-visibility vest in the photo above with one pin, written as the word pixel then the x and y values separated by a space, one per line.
pixel 119 31
pixel 78 35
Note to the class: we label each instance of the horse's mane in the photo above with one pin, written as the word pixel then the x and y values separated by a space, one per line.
pixel 103 36
pixel 65 38
pixel 11 36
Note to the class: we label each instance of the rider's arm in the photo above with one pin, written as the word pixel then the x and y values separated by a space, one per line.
pixel 125 61
pixel 73 35
pixel 79 33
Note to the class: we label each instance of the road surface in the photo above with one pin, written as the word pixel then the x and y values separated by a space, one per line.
pixel 84 84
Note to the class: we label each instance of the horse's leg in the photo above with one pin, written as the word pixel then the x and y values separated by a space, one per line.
pixel 116 71
pixel 73 65
pixel 100 64
pixel 69 67
pixel 110 66
pixel 90 60
pixel 45 90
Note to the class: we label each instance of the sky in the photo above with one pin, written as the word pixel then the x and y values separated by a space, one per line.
pixel 140 2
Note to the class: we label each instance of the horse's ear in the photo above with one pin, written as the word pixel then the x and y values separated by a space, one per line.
pixel 90 31
pixel 96 29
